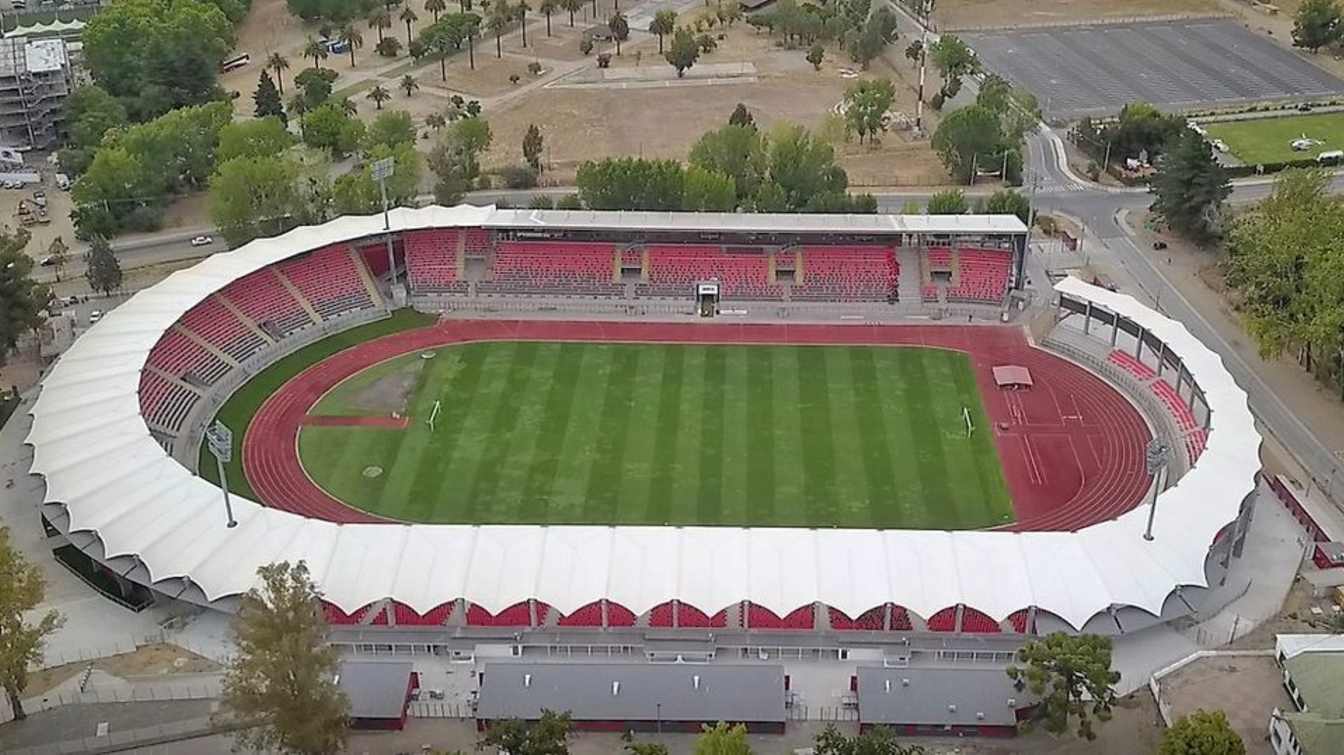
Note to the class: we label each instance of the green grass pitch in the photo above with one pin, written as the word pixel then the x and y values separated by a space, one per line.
pixel 1265 140
pixel 574 433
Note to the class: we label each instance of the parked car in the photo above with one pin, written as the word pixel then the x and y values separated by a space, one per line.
pixel 62 182
pixel 47 261
pixel 202 241
pixel 1159 245
pixel 95 316
pixel 40 198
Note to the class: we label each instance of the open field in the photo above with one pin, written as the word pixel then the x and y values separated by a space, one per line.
pixel 959 14
pixel 556 433
pixel 1265 140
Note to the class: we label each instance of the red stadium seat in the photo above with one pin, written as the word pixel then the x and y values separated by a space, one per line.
pixel 217 325
pixel 847 273
pixel 1126 361
pixel 554 268
pixel 984 276
pixel 330 280
pixel 674 269
pixel 163 403
pixel 183 358
pixel 585 616
pixel 1019 620
pixel 975 622
pixel 431 261
pixel 264 300
pixel 944 620
pixel 691 617
pixel 661 615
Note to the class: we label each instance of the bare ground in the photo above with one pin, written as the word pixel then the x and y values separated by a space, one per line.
pixel 159 659
pixel 958 14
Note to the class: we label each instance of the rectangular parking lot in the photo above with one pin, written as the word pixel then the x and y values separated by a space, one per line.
pixel 1094 70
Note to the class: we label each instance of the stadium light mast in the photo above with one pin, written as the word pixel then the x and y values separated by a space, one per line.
pixel 926 8
pixel 219 439
pixel 383 170
pixel 1155 460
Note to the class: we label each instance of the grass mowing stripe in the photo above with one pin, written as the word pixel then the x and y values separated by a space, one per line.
pixel 983 456
pixel 737 435
pixel 554 426
pixel 458 479
pixel 458 372
pixel 818 460
pixel 877 457
pixel 923 419
pixel 606 470
pixel 787 433
pixel 496 450
pixel 760 435
pixel 708 505
pixel 666 432
pixel 690 431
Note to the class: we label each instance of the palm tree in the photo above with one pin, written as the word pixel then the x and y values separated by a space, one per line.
pixel 620 29
pixel 573 6
pixel 349 107
pixel 435 121
pixel 441 48
pixel 473 28
pixel 298 107
pixel 436 7
pixel 352 38
pixel 521 9
pixel 664 22
pixel 548 7
pixel 278 63
pixel 380 95
pixel 409 83
pixel 315 50
pixel 501 15
pixel 379 19
pixel 408 15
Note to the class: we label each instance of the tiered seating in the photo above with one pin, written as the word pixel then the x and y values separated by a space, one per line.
pixel 984 276
pixel 802 617
pixel 516 615
pixel 760 617
pixel 719 619
pixel 873 619
pixel 163 402
pixel 1195 443
pixel 380 612
pixel 674 269
pixel 839 620
pixel 944 621
pixel 477 241
pixel 267 302
pixel 1185 419
pixel 661 615
pixel 785 260
pixel 691 617
pixel 221 328
pixel 479 617
pixel 431 261
pixel 403 615
pixel 928 292
pixel 632 258
pixel 1019 621
pixel 938 259
pixel 183 358
pixel 330 280
pixel 555 268
pixel 1126 361
pixel 335 615
pixel 975 622
pixel 619 616
pixel 584 616
pixel 900 619
pixel 847 273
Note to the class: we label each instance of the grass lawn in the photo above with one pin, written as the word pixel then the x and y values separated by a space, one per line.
pixel 666 434
pixel 1267 140
pixel 245 401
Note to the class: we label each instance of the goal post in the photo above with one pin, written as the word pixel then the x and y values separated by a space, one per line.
pixel 433 415
pixel 966 418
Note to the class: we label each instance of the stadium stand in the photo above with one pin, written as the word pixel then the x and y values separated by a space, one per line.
pixel 984 276
pixel 975 622
pixel 555 268
pixel 1126 361
pixel 181 357
pixel 802 617
pixel 944 620
pixel 330 280
pixel 619 616
pixel 760 617
pixel 584 616
pixel 690 616
pixel 674 269
pixel 938 259
pixel 431 261
pixel 163 402
pixel 1019 621
pixel 928 292
pixel 838 620
pixel 262 298
pixel 217 325
pixel 477 241
pixel 847 273
pixel 403 615
pixel 661 615
pixel 1185 419
pixel 337 616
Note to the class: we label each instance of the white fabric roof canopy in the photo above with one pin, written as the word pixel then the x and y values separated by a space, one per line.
pixel 100 462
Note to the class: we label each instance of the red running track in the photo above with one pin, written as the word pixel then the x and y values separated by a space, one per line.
pixel 1071 446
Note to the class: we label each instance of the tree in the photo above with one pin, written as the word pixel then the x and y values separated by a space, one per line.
pixel 436 121
pixel 547 736
pixel 722 739
pixel 735 151
pixel 707 191
pixel 628 183
pixel 357 192
pixel 388 47
pixel 101 268
pixel 315 49
pixel 1318 23
pixel 914 51
pixel 1071 677
pixel 90 112
pixel 866 105
pixel 266 137
pixel 571 7
pixel 409 84
pixel 378 20
pixel 683 52
pixel 254 195
pixel 455 159
pixel 408 16
pixel 329 127
pixel 352 39
pixel 436 7
pixel 548 9
pixel 620 29
pixel 954 59
pixel 267 98
pixel 315 84
pixel 879 740
pixel 1202 733
pixel 498 22
pixel 21 302
pixel 281 682
pixel 378 95
pixel 664 22
pixel 21 642
pixel 815 55
pixel 532 146
pixel 1190 187
pixel 966 137
pixel 949 202
pixel 278 63
pixel 59 254
pixel 1009 202
pixel 804 169
pixel 521 10
pixel 741 116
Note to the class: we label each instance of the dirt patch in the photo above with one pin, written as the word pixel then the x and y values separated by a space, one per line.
pixel 490 79
pixel 159 659
pixel 979 14
pixel 387 394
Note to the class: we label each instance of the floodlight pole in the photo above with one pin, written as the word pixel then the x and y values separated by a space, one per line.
pixel 219 439
pixel 1155 460
pixel 923 61
pixel 224 488
pixel 382 169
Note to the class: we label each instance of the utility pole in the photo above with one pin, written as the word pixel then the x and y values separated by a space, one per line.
pixel 383 170
pixel 219 439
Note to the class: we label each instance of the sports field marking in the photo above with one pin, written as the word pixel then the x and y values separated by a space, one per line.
pixel 1267 140
pixel 611 433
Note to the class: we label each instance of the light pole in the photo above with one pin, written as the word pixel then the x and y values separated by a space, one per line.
pixel 382 170
pixel 219 439
pixel 923 61
pixel 1155 461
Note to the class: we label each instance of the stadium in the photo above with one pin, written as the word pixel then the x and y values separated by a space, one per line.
pixel 599 428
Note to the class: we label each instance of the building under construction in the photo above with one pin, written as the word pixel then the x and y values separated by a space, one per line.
pixel 35 79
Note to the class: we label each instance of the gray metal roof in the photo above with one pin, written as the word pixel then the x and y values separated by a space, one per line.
pixel 377 689
pixel 939 696
pixel 755 222
pixel 633 691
